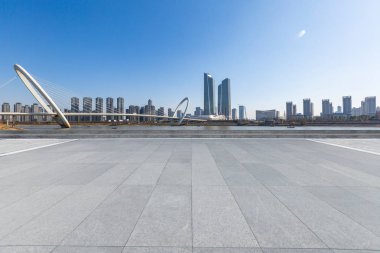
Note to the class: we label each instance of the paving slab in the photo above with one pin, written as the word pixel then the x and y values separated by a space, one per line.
pixel 217 219
pixel 166 219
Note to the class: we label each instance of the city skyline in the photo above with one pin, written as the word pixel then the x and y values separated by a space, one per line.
pixel 273 52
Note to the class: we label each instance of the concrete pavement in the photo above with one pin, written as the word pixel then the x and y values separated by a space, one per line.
pixel 189 195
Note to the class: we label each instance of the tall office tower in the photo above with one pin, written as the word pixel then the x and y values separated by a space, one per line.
pixel 132 110
pixel 98 108
pixel 370 106
pixel 224 98
pixel 87 108
pixel 170 112
pixel 339 109
pixel 150 109
pixel 198 111
pixel 5 107
pixel 294 109
pixel 27 110
pixel 179 114
pixel 209 94
pixel 161 111
pixel 347 105
pixel 34 109
pixel 289 110
pixel 326 108
pixel 74 108
pixel 22 110
pixel 109 107
pixel 17 108
pixel 307 108
pixel 234 114
pixel 312 109
pixel 120 107
pixel 362 108
pixel 242 112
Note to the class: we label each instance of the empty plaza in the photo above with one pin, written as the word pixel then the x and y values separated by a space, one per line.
pixel 190 195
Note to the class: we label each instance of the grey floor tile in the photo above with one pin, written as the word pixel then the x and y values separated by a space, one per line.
pixel 331 226
pixel 272 223
pixel 166 220
pixel 146 174
pixel 353 206
pixel 53 225
pixel 19 213
pixel 217 219
pixel 76 249
pixel 227 250
pixel 176 174
pixel 156 250
pixel 112 223
pixel 26 249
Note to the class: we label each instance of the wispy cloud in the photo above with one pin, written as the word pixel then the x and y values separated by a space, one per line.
pixel 301 34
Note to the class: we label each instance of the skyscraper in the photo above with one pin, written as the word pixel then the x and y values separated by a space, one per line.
pixel 109 107
pixel 327 109
pixel 198 111
pixel 170 112
pixel 5 107
pixel 98 107
pixel 161 111
pixel 347 105
pixel 17 108
pixel 307 110
pixel 120 107
pixel 74 108
pixel 87 108
pixel 294 109
pixel 242 112
pixel 224 98
pixel 234 114
pixel 289 110
pixel 209 94
pixel 370 106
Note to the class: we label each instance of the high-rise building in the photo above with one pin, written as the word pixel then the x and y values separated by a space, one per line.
pixel 5 107
pixel 161 111
pixel 133 110
pixel 109 107
pixel 242 112
pixel 179 114
pixel 198 112
pixel 209 95
pixel 35 109
pixel 150 109
pixel 74 108
pixel 370 106
pixel 98 108
pixel 234 114
pixel 170 112
pixel 307 110
pixel 27 110
pixel 224 98
pixel 17 108
pixel 294 109
pixel 347 105
pixel 327 109
pixel 87 108
pixel 120 107
pixel 289 110
pixel 339 109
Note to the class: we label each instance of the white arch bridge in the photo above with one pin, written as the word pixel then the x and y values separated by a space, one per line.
pixel 45 101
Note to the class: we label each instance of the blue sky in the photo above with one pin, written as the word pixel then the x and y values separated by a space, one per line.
pixel 273 51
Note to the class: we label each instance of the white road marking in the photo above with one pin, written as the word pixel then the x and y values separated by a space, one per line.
pixel 346 147
pixel 34 148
